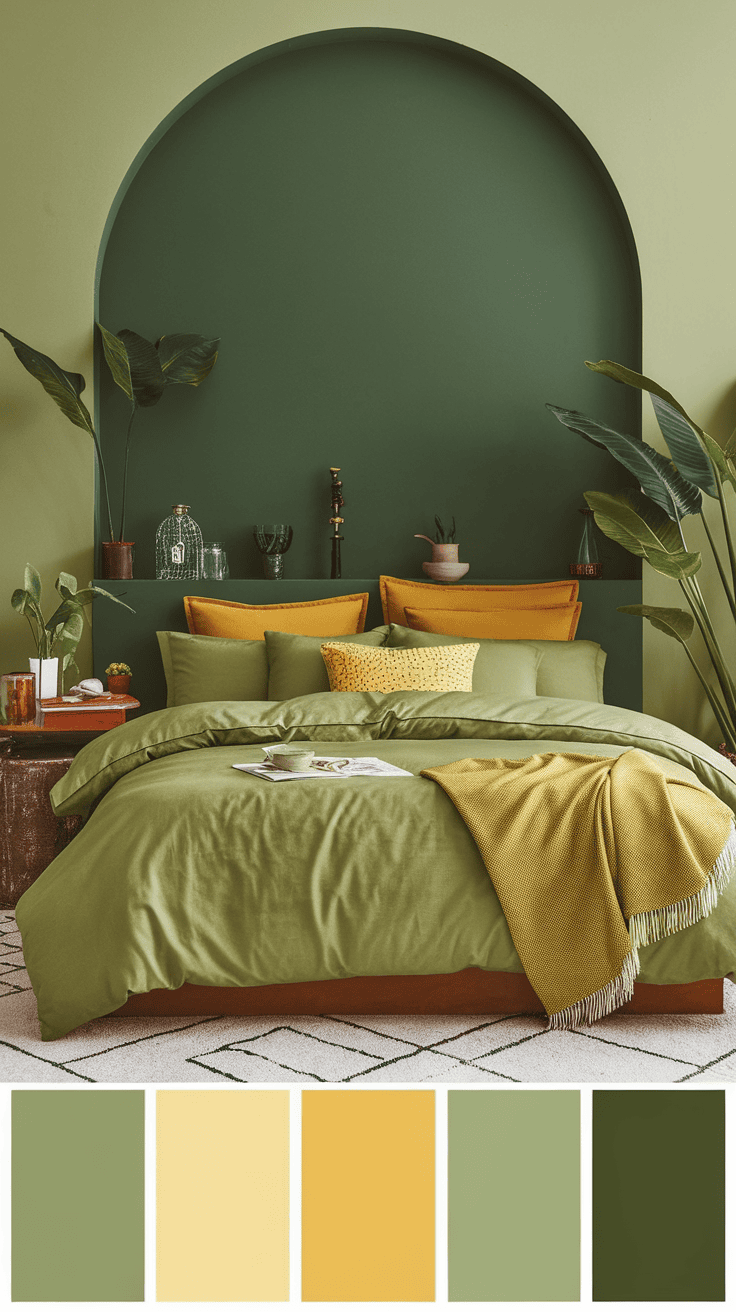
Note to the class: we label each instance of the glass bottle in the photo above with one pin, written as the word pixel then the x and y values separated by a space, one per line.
pixel 178 546
pixel 587 563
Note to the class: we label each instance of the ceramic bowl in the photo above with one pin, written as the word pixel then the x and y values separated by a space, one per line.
pixel 444 571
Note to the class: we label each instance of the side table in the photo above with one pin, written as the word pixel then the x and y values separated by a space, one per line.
pixel 32 760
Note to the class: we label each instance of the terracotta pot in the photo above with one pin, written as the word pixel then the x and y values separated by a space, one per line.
pixel 117 560
pixel 118 682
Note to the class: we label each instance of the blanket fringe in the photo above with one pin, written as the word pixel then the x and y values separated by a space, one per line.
pixel 603 1001
pixel 650 926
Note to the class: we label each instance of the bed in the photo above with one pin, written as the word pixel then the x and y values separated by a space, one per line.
pixel 190 878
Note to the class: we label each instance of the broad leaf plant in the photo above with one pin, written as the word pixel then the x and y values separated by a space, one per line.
pixel 649 522
pixel 141 368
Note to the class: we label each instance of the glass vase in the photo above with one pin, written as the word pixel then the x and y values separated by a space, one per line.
pixel 272 541
pixel 179 548
pixel 587 563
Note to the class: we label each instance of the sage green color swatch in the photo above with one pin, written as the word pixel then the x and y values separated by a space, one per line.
pixel 659 1195
pixel 514 1195
pixel 77 1196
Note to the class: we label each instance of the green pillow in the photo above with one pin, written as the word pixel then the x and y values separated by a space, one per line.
pixel 565 669
pixel 295 665
pixel 200 669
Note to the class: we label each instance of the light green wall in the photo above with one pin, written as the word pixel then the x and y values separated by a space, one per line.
pixel 83 84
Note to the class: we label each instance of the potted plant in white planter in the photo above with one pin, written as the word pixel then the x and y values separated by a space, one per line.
pixel 56 640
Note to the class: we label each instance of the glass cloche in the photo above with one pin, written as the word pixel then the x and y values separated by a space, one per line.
pixel 179 546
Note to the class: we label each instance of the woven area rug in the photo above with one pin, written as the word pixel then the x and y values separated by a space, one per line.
pixel 514 1049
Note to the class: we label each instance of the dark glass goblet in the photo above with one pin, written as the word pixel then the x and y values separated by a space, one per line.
pixel 272 541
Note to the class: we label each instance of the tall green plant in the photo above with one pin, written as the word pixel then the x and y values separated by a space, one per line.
pixel 648 522
pixel 141 368
pixel 144 369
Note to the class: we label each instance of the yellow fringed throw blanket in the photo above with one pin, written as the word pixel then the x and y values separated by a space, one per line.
pixel 592 858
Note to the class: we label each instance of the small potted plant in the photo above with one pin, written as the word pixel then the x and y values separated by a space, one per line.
pixel 118 677
pixel 444 566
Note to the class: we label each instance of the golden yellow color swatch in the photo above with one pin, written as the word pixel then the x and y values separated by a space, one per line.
pixel 222 1191
pixel 368 1196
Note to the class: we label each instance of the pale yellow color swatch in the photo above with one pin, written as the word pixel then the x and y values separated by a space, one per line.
pixel 222 1196
pixel 368 1202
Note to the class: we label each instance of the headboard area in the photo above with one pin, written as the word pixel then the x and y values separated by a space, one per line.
pixel 158 604
pixel 406 249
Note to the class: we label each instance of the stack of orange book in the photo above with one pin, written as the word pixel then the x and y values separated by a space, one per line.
pixel 93 713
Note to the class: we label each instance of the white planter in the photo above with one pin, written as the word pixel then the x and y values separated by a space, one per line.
pixel 47 676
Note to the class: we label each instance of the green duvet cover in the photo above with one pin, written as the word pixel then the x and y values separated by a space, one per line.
pixel 188 870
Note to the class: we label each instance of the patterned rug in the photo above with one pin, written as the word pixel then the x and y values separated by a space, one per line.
pixel 514 1049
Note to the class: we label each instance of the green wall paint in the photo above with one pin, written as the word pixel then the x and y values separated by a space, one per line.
pixel 406 249
pixel 658 1195
pixel 514 1195
pixel 83 74
pixel 77 1196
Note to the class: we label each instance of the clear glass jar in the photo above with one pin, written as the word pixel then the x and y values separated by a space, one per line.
pixel 179 548
pixel 214 561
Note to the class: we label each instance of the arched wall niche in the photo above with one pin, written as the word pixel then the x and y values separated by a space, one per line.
pixel 406 249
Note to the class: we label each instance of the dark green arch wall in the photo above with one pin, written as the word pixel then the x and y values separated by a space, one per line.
pixel 406 249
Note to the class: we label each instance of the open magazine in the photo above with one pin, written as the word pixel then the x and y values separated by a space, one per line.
pixel 325 767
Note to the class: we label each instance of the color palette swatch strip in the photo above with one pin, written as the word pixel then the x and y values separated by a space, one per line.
pixel 370 1175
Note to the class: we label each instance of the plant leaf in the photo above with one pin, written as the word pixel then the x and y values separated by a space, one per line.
pixel 187 357
pixel 675 564
pixel 117 360
pixel 676 623
pixel 32 583
pixel 723 463
pixel 22 601
pixel 103 593
pixel 684 446
pixel 67 581
pixel 146 377
pixel 620 374
pixel 635 522
pixel 64 388
pixel 656 474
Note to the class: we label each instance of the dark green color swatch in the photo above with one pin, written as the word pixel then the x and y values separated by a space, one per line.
pixel 77 1196
pixel 658 1195
pixel 514 1195
pixel 406 249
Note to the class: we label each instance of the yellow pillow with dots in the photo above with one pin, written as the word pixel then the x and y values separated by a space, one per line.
pixel 351 668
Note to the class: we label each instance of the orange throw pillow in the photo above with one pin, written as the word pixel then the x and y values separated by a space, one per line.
pixel 547 622
pixel 397 594
pixel 234 619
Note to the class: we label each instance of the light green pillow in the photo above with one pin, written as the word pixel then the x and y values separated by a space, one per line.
pixel 503 668
pixel 295 664
pixel 200 669
pixel 565 669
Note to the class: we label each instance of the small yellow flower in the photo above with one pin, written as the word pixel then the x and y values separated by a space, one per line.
pixel 118 667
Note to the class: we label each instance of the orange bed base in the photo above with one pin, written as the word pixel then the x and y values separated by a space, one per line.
pixel 471 992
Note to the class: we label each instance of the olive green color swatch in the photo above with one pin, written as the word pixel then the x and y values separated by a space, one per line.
pixel 77 1196
pixel 658 1195
pixel 514 1195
